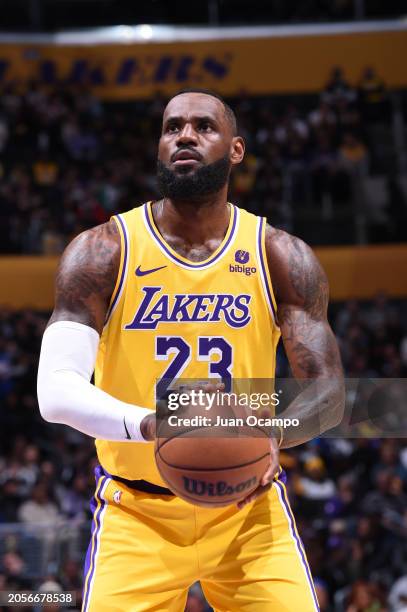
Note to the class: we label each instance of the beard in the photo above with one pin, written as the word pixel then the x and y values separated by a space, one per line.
pixel 205 181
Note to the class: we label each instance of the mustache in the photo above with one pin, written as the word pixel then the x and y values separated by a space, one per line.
pixel 194 152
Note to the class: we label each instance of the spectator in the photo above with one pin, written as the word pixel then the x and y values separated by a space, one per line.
pixel 372 96
pixel 323 119
pixel 338 89
pixel 50 585
pixel 315 487
pixel 39 508
pixel 71 578
pixel 366 597
pixel 74 500
pixel 10 500
pixel 398 595
pixel 353 155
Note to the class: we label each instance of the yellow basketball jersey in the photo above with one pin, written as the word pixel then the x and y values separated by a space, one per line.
pixel 171 318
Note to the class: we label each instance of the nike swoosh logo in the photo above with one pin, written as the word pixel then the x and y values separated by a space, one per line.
pixel 128 436
pixel 144 272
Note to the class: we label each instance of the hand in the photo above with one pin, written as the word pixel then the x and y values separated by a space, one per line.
pixel 147 427
pixel 267 479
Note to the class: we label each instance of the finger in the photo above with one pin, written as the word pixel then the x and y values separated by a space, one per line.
pixel 214 386
pixel 256 493
pixel 271 471
pixel 266 478
pixel 269 475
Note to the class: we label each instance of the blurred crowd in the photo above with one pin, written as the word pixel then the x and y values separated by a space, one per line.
pixel 69 161
pixel 349 495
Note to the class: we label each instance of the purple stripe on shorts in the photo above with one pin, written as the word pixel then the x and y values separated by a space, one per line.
pixel 297 541
pixel 282 477
pixel 90 562
pixel 263 268
pixel 170 254
pixel 125 256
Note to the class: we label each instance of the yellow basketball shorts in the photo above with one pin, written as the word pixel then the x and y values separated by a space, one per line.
pixel 147 550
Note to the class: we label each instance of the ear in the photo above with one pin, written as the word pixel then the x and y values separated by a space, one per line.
pixel 237 150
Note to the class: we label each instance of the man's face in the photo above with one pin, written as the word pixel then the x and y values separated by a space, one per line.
pixel 197 147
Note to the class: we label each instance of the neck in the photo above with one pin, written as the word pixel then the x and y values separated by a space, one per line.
pixel 195 221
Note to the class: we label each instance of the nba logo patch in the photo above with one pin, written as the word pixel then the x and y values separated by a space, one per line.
pixel 242 257
pixel 117 495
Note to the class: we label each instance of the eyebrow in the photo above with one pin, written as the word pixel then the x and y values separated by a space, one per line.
pixel 194 118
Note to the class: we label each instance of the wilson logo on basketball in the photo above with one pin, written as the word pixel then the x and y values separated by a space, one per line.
pixel 216 489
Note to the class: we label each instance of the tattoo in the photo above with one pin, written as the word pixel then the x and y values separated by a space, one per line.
pixel 301 289
pixel 308 279
pixel 197 253
pixel 181 244
pixel 87 275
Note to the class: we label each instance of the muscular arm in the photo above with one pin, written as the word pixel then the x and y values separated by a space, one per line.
pixel 85 281
pixel 301 290
pixel 86 277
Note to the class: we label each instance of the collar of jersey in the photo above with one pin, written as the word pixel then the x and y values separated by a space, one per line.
pixel 183 261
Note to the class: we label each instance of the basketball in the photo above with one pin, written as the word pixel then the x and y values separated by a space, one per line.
pixel 212 471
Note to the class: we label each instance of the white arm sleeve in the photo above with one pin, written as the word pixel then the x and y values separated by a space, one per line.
pixel 65 394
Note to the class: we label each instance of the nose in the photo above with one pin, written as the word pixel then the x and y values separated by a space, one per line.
pixel 187 135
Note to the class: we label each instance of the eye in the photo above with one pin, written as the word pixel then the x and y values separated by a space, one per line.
pixel 172 127
pixel 205 126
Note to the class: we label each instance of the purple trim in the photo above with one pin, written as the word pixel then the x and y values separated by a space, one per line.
pixel 191 265
pixel 263 268
pixel 103 472
pixel 297 540
pixel 282 477
pixel 90 562
pixel 119 288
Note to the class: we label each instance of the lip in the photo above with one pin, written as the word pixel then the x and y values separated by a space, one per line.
pixel 185 162
pixel 185 156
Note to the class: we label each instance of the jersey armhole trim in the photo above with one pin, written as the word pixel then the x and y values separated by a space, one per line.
pixel 124 262
pixel 264 271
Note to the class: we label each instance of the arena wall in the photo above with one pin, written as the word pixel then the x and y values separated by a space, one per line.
pixel 256 61
pixel 353 272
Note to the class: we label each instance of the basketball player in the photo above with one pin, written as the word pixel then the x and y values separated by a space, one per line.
pixel 163 291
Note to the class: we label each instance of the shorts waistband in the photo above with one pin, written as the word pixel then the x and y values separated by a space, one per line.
pixel 144 486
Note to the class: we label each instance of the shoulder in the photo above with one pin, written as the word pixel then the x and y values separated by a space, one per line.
pixel 296 273
pixel 97 238
pixel 87 275
pixel 99 246
pixel 283 246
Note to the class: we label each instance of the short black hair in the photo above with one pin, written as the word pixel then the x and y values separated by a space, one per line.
pixel 229 112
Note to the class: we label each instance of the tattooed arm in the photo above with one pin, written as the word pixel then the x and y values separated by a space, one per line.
pixel 86 277
pixel 301 291
pixel 85 281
